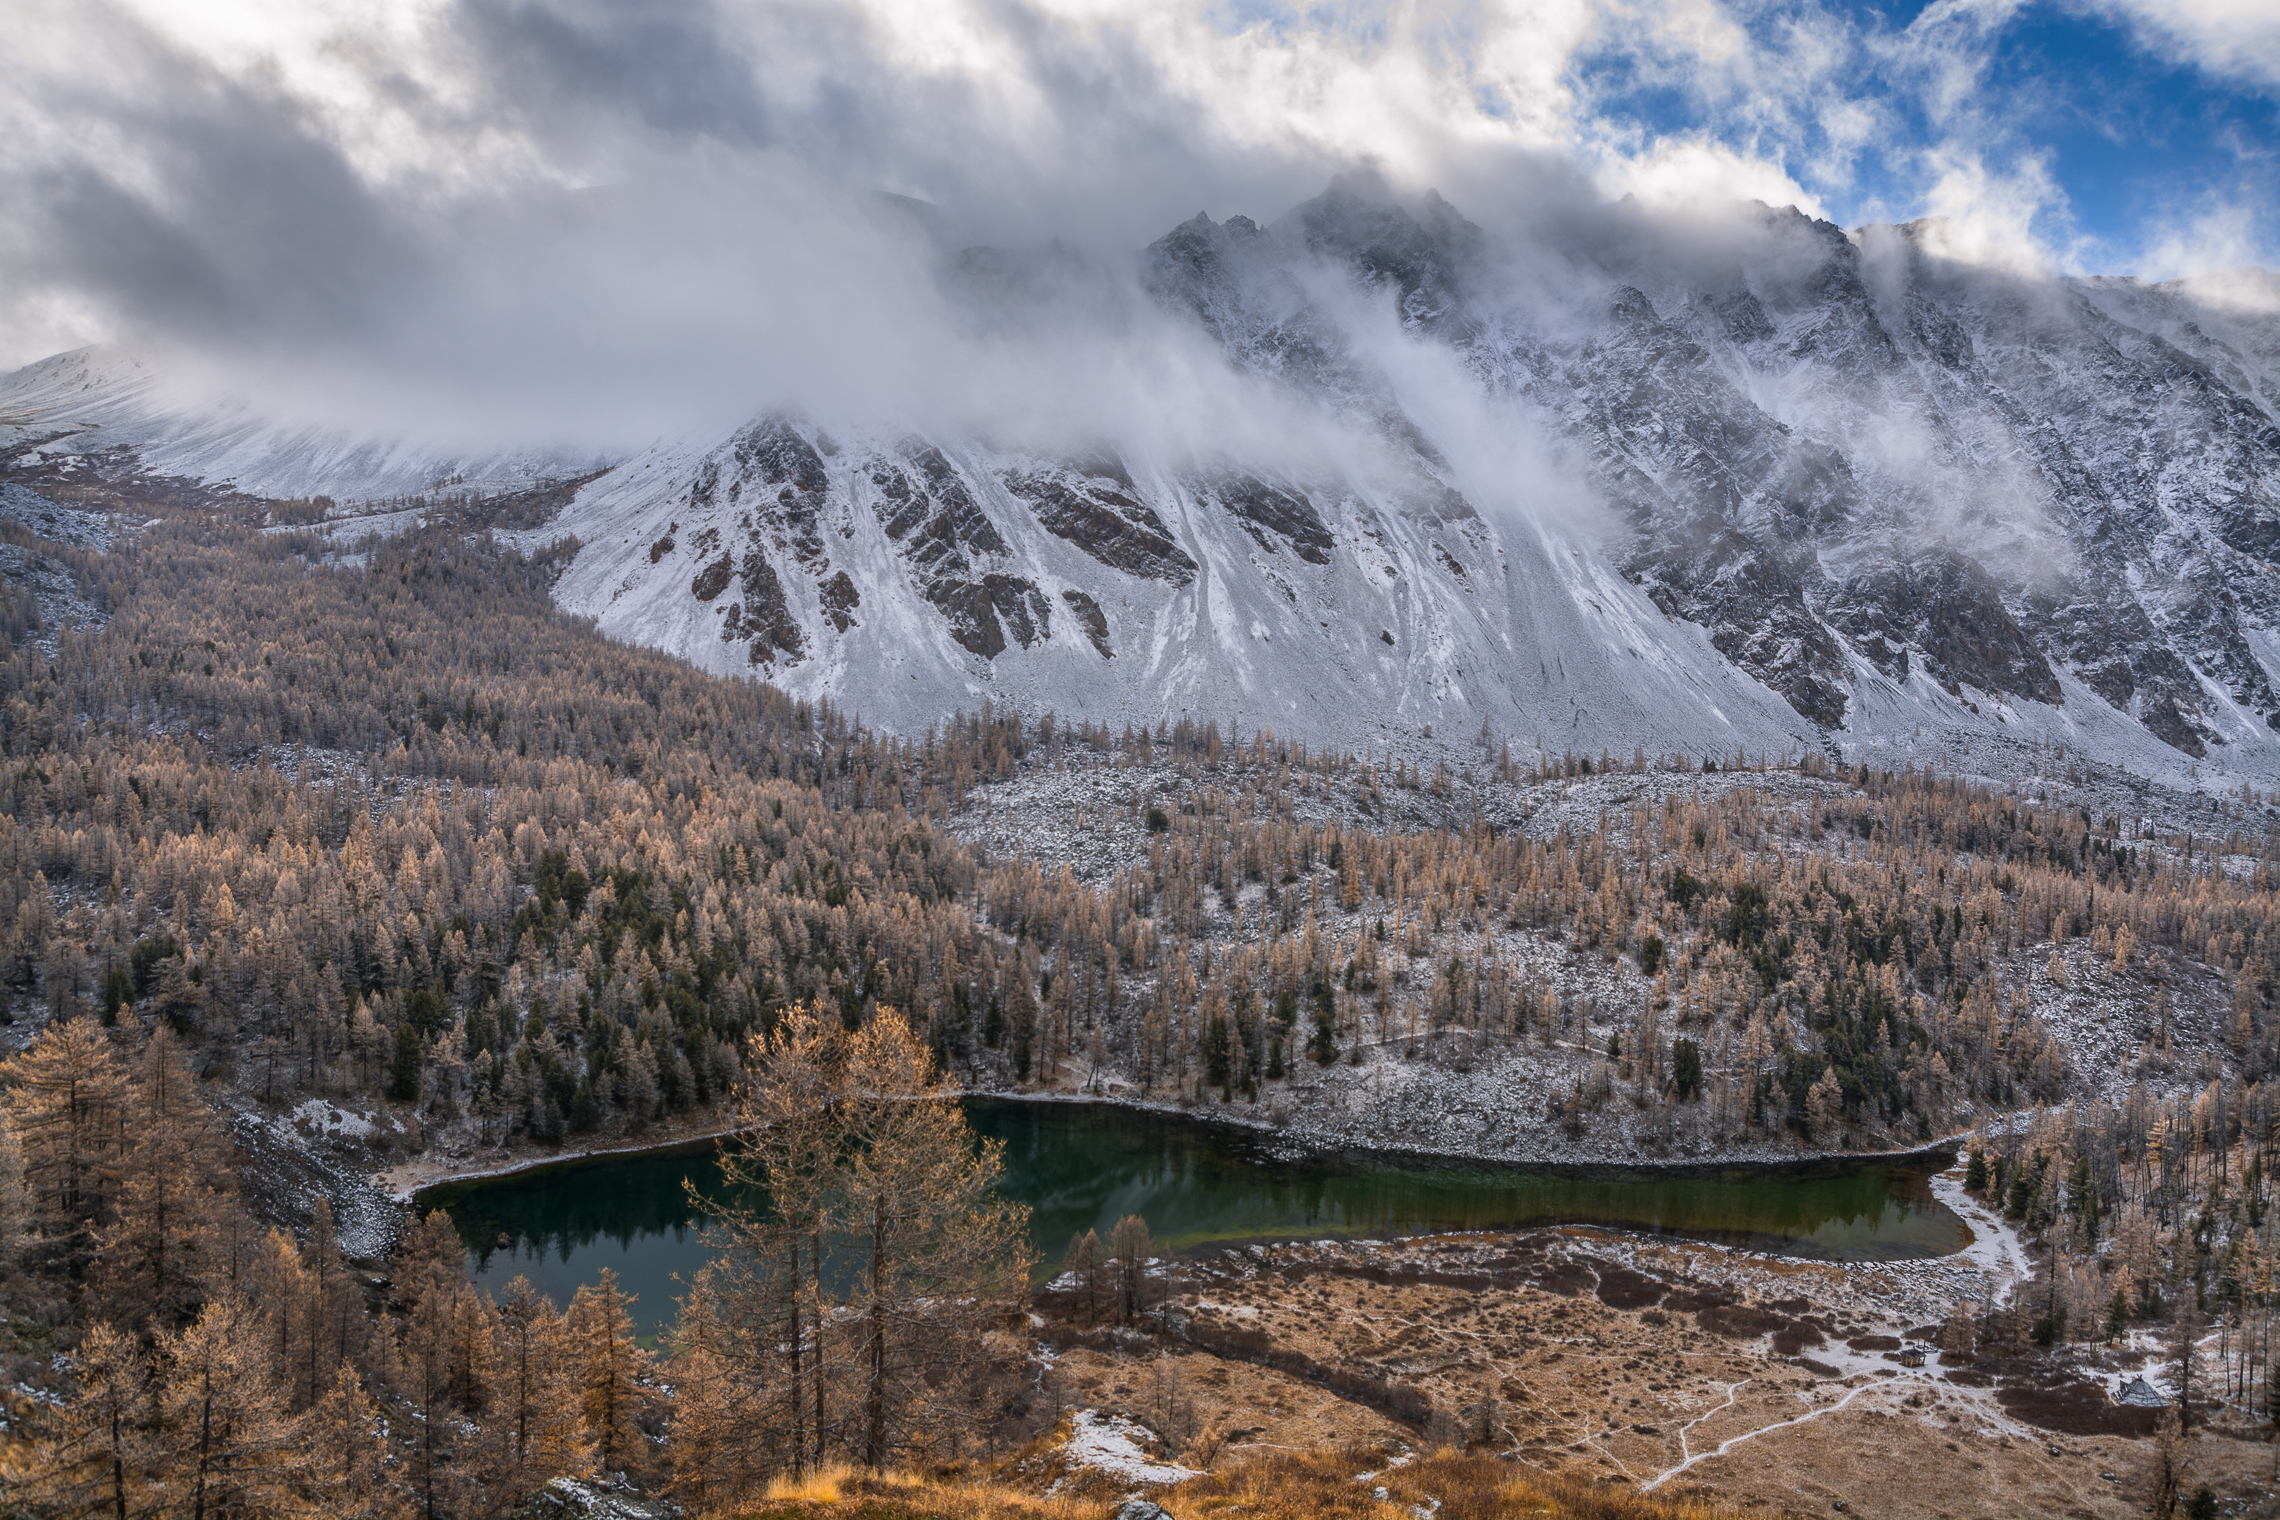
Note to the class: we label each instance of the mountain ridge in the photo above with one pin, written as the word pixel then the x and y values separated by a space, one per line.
pixel 1766 486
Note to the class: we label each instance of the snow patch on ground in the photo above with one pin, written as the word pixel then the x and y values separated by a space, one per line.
pixel 1108 1444
pixel 1996 1253
pixel 52 584
pixel 327 1119
pixel 587 1499
pixel 287 1170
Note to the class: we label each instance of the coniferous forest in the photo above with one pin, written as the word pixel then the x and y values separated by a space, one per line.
pixel 375 830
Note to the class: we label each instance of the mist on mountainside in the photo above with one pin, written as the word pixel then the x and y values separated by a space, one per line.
pixel 1610 478
pixel 908 359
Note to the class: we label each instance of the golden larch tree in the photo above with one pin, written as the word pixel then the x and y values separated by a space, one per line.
pixel 156 1260
pixel 97 1456
pixel 67 1099
pixel 610 1366
pixel 228 1445
pixel 934 1250
pixel 533 1405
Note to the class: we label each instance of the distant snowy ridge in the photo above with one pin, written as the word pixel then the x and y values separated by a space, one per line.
pixel 75 412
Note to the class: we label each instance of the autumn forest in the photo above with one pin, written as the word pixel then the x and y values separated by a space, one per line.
pixel 377 827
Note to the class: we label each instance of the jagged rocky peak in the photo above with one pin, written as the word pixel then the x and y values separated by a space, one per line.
pixel 1356 223
pixel 1217 270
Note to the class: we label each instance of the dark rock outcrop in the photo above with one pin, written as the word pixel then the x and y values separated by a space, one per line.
pixel 840 600
pixel 1093 505
pixel 1949 608
pixel 764 616
pixel 1091 619
pixel 1269 513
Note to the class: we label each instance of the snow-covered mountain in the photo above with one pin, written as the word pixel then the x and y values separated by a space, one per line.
pixel 109 416
pixel 1756 483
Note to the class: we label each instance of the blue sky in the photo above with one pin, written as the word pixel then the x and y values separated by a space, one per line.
pixel 2127 143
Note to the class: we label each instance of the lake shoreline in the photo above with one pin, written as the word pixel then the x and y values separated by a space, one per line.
pixel 416 1184
pixel 1207 1191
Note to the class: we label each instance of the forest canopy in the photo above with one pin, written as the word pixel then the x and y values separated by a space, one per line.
pixel 380 829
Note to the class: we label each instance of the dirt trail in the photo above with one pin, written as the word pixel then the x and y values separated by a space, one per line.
pixel 1729 1444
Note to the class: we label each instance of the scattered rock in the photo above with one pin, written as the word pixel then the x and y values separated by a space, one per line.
pixel 595 1499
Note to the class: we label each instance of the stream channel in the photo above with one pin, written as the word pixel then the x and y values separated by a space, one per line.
pixel 1083 1166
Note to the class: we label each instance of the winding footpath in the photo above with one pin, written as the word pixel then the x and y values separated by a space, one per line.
pixel 1750 1435
pixel 1995 1252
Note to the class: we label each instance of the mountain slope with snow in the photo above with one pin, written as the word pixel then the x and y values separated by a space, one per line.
pixel 1763 484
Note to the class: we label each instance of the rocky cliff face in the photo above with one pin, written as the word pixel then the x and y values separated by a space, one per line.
pixel 1988 480
pixel 1845 458
pixel 1766 485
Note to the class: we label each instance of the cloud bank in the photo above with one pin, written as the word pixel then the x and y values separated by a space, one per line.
pixel 607 219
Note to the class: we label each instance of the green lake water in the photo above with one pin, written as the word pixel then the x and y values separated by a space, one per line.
pixel 1084 1166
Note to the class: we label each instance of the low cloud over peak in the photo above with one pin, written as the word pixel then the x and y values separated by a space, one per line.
pixel 616 219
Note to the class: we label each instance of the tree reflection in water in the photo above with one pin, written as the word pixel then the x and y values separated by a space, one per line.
pixel 1083 1166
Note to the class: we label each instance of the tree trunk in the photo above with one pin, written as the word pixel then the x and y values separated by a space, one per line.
pixel 816 1372
pixel 205 1446
pixel 792 1345
pixel 875 1399
pixel 118 1462
pixel 428 1416
pixel 522 1392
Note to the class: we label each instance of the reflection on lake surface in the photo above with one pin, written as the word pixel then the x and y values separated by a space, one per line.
pixel 1084 1166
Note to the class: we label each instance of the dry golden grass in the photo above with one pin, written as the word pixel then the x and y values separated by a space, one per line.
pixel 1315 1485
pixel 1302 1485
pixel 811 1488
pixel 848 1494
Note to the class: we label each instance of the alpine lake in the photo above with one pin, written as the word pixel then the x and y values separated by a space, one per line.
pixel 1083 1166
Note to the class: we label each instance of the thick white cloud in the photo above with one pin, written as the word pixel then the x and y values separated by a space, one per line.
pixel 502 187
pixel 2236 37
pixel 389 181
pixel 1982 216
pixel 2221 237
pixel 1680 172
